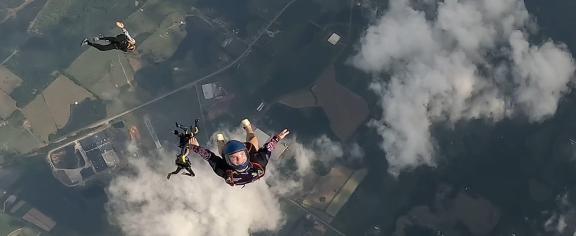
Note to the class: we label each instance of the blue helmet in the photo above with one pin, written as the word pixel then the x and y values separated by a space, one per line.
pixel 234 146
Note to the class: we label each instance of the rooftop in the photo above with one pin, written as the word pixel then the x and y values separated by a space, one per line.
pixel 39 219
pixel 334 38
pixel 95 156
pixel 212 90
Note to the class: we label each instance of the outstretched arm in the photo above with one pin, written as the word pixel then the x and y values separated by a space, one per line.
pixel 130 39
pixel 121 26
pixel 203 152
pixel 266 150
pixel 271 145
pixel 215 161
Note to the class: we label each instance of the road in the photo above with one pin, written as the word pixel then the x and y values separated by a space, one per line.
pixel 189 85
pixel 152 133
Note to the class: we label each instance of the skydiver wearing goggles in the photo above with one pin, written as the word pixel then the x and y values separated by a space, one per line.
pixel 243 162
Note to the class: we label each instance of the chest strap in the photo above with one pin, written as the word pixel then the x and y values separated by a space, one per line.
pixel 230 174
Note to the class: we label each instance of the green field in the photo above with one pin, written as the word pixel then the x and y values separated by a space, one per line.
pixel 8 224
pixel 16 139
pixel 158 35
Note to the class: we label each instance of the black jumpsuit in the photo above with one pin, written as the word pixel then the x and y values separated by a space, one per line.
pixel 120 42
pixel 182 163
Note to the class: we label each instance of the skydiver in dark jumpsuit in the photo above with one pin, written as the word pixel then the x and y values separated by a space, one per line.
pixel 123 42
pixel 182 161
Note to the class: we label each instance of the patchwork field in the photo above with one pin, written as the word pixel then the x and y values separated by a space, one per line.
pixel 345 110
pixel 157 29
pixel 59 102
pixel 14 138
pixel 8 80
pixel 301 99
pixel 39 119
pixel 7 105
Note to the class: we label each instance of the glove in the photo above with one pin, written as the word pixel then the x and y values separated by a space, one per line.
pixel 229 178
pixel 120 24
pixel 229 181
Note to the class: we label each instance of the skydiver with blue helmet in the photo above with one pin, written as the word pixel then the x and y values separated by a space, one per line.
pixel 242 162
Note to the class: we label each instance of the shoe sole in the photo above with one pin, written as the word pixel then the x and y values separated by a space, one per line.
pixel 246 125
pixel 220 142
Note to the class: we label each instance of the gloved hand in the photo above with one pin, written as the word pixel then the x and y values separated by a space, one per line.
pixel 120 24
pixel 229 181
pixel 282 134
pixel 257 173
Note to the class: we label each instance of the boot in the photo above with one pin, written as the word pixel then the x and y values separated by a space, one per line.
pixel 247 126
pixel 220 142
pixel 84 42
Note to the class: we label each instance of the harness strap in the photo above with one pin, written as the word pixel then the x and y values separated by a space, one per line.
pixel 230 174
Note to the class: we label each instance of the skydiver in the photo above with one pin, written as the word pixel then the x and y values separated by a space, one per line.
pixel 182 161
pixel 123 41
pixel 243 162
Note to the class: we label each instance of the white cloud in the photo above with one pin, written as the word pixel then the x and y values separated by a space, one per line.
pixel 356 152
pixel 327 149
pixel 455 60
pixel 562 218
pixel 322 149
pixel 144 203
pixel 147 204
pixel 542 74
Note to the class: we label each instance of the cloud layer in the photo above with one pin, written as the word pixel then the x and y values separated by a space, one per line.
pixel 455 60
pixel 144 203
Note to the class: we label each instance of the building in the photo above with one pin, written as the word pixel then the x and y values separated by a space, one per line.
pixel 99 151
pixel 260 106
pixel 81 160
pixel 21 209
pixel 40 220
pixel 110 158
pixel 212 91
pixel 334 39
